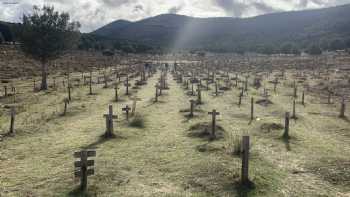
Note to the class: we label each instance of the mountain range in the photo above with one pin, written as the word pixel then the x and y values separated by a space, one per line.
pixel 299 28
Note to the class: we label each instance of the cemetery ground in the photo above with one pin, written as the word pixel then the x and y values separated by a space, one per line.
pixel 164 157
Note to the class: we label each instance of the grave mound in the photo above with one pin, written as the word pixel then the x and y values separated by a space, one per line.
pixel 264 102
pixel 267 127
pixel 203 130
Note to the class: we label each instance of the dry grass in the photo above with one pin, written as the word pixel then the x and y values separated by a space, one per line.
pixel 160 159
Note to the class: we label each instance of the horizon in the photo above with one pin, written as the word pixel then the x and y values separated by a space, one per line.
pixel 97 14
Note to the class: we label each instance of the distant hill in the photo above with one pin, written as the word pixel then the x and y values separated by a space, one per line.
pixel 267 32
pixel 9 31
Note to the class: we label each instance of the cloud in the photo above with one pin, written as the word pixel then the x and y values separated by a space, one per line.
pixel 93 14
pixel 175 9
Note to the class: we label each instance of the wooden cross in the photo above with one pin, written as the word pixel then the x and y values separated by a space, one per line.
pixel 213 114
pixel 126 109
pixel 127 85
pixel 133 108
pixel 109 121
pixel 84 167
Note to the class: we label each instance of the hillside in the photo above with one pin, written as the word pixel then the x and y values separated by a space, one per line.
pixel 301 28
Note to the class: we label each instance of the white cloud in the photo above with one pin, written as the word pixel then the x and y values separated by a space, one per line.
pixel 93 14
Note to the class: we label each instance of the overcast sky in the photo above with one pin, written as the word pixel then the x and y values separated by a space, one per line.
pixel 93 14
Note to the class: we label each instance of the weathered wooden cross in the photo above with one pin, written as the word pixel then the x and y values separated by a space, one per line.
pixel 109 121
pixel 126 109
pixel 84 167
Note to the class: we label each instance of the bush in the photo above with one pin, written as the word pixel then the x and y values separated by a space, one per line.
pixel 137 121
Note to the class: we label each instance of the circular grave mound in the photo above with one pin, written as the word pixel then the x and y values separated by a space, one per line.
pixel 267 127
pixel 264 102
pixel 203 130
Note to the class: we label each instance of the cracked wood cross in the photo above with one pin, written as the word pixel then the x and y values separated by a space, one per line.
pixel 109 121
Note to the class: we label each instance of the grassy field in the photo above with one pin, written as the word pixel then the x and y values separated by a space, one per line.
pixel 164 157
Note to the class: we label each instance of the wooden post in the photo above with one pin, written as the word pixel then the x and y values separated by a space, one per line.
pixel 126 109
pixel 90 83
pixel 329 97
pixel 192 90
pixel 69 92
pixel 105 80
pixel 116 92
pixel 342 108
pixel 12 123
pixel 82 169
pixel 156 98
pixel 66 102
pixel 303 98
pixel 216 89
pixel 34 85
pixel 275 85
pixel 192 102
pixel 295 90
pixel 54 82
pixel 240 99
pixel 127 85
pixel 245 160
pixel 5 90
pixel 286 126
pixel 294 116
pixel 199 95
pixel 213 114
pixel 252 109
